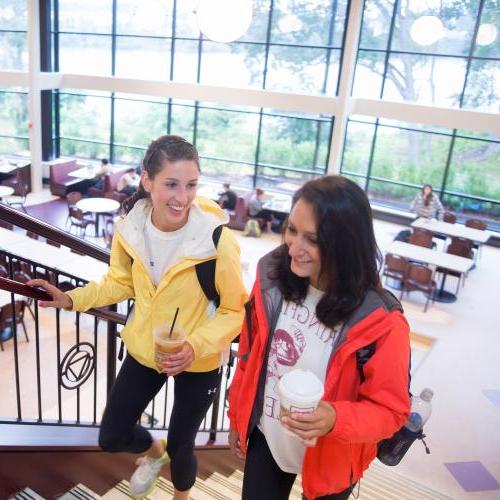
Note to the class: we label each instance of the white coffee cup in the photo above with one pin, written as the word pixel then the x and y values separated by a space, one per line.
pixel 300 392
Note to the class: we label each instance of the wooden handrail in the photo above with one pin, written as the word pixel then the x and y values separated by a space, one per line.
pixel 46 230
pixel 38 294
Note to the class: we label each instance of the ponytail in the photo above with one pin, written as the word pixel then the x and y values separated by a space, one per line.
pixel 129 203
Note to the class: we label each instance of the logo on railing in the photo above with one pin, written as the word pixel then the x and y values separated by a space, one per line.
pixel 77 365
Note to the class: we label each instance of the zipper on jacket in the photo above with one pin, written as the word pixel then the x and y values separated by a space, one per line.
pixel 258 406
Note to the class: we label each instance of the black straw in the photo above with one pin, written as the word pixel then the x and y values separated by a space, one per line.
pixel 173 322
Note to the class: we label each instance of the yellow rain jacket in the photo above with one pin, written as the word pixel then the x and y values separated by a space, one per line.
pixel 129 277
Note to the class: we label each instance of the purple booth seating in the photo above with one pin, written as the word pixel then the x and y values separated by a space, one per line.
pixel 60 181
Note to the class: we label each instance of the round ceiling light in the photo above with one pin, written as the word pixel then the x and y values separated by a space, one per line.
pixel 486 34
pixel 224 20
pixel 427 30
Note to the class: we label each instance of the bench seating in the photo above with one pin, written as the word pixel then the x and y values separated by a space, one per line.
pixel 60 182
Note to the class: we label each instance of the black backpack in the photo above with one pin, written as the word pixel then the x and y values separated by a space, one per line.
pixel 205 272
pixel 390 451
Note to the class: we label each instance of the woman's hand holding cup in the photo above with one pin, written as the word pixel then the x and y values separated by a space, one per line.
pixel 173 354
pixel 302 412
pixel 177 362
pixel 309 426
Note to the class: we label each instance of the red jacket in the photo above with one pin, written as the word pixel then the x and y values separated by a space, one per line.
pixel 366 413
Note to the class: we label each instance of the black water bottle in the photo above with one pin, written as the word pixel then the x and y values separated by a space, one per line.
pixel 392 450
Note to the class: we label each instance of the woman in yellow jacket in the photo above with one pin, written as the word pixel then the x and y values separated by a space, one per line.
pixel 166 232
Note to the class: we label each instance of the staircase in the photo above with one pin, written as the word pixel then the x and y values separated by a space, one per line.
pixel 379 483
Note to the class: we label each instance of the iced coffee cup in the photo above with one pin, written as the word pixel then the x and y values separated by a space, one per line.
pixel 300 392
pixel 167 343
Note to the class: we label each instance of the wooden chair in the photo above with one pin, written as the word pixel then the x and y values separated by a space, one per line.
pixel 421 278
pixel 8 316
pixel 476 224
pixel 3 271
pixel 72 198
pixel 421 237
pixel 21 190
pixel 24 274
pixel 464 242
pixel 461 251
pixel 108 232
pixel 53 243
pixel 450 217
pixel 32 235
pixel 79 220
pixel 394 267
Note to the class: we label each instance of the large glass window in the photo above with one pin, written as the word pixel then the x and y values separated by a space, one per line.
pixel 290 46
pixel 300 51
pixel 435 53
pixel 86 54
pixel 84 125
pixel 13 38
pixel 394 159
pixel 425 52
pixel 14 134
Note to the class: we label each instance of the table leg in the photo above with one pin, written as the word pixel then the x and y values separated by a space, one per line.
pixel 442 295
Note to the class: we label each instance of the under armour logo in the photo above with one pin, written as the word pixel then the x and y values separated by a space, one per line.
pixel 212 391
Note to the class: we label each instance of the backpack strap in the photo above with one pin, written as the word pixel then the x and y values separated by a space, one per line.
pixel 363 354
pixel 389 300
pixel 205 272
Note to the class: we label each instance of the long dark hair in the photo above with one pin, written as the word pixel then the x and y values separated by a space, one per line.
pixel 350 258
pixel 427 197
pixel 165 148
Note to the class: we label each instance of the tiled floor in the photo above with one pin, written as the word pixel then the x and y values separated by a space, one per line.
pixel 461 362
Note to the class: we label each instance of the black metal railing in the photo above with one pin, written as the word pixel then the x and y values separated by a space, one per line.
pixel 62 372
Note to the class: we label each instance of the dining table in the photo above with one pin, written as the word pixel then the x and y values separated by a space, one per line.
pixel 478 236
pixel 6 191
pixel 100 207
pixel 436 258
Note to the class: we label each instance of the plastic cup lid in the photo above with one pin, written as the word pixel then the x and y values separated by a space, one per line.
pixel 302 384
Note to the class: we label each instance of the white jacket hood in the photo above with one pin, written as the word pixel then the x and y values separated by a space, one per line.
pixel 204 216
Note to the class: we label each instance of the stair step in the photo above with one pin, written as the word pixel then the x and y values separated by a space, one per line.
pixel 379 483
pixel 120 492
pixel 79 492
pixel 218 483
pixel 26 494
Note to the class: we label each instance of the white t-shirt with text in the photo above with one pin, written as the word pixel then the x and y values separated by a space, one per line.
pixel 300 341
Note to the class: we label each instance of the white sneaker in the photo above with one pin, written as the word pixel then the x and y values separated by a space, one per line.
pixel 144 478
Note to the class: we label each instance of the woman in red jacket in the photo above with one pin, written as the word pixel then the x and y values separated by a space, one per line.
pixel 316 302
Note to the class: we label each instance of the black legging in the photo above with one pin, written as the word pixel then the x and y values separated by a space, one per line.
pixel 264 480
pixel 136 385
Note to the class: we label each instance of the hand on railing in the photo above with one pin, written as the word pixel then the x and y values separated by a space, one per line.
pixel 59 298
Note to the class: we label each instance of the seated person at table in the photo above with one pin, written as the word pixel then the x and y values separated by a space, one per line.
pixel 227 199
pixel 256 209
pixel 427 204
pixel 100 172
pixel 128 182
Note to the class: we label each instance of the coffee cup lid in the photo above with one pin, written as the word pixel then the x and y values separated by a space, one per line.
pixel 302 384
